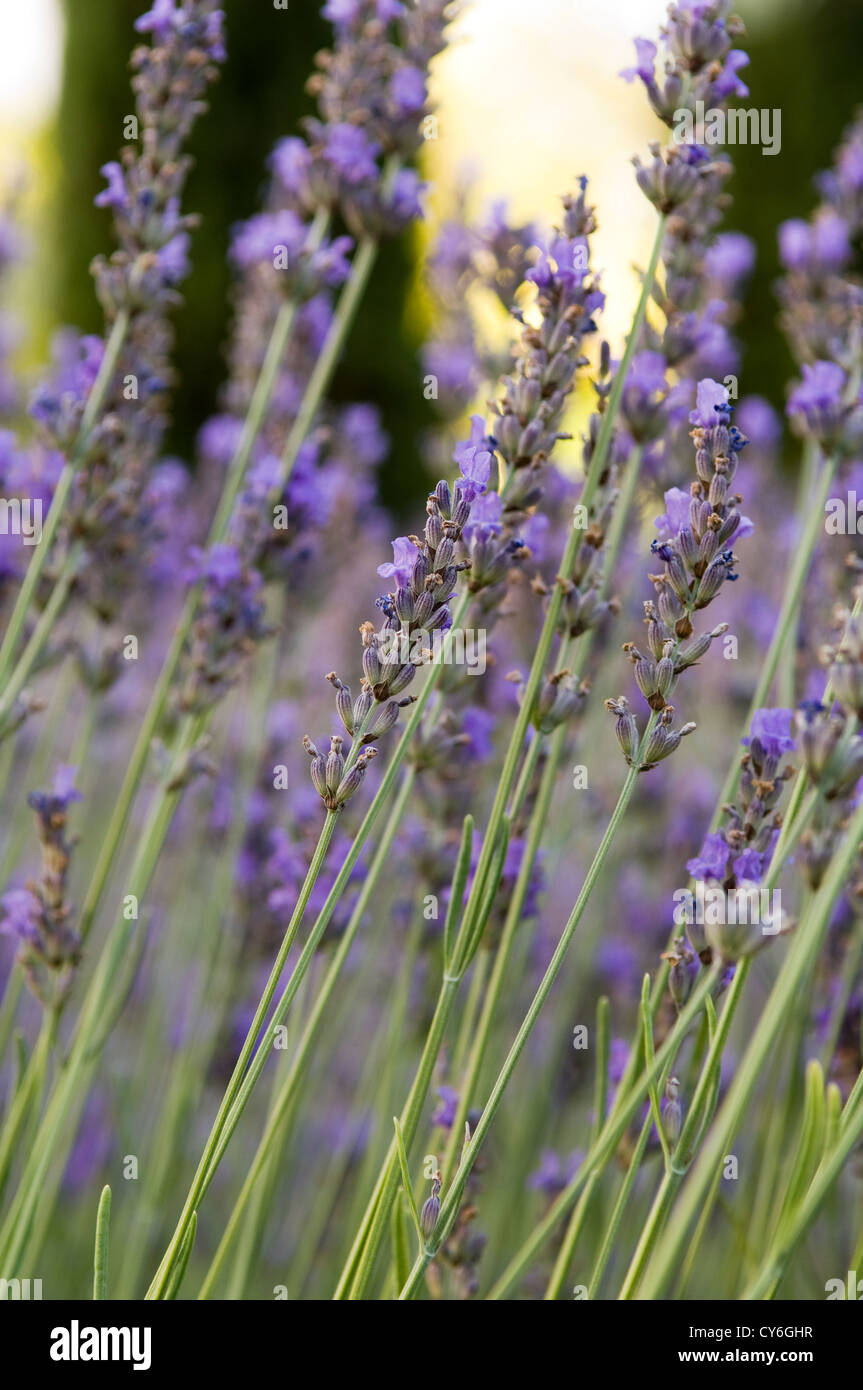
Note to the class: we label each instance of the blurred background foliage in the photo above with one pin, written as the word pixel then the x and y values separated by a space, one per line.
pixel 259 97
pixel 805 61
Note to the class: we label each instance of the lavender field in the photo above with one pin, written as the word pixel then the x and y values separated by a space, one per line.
pixel 458 897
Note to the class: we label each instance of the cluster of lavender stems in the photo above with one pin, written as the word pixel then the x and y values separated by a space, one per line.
pixel 509 534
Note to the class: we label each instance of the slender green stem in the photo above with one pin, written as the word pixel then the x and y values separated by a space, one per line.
pixel 41 631
pixel 618 1122
pixel 373 1228
pixel 325 363
pixel 95 400
pixel 682 1155
pixel 787 619
pixel 612 1230
pixel 798 962
pixel 793 1231
pixel 449 1209
pixel 536 828
pixel 99 1009
pixel 303 1055
pixel 29 1093
pixel 162 1277
pixel 600 1097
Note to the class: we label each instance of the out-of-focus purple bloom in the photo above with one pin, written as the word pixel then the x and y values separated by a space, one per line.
pixel 555 1172
pixel 478 726
pixel 258 240
pixel 772 728
pixel 730 259
pixel 23 912
pixel 352 153
pixel 445 1112
pixel 408 89
pixel 820 391
pixel 115 195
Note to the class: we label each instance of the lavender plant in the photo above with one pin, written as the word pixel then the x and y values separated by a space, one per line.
pixel 398 993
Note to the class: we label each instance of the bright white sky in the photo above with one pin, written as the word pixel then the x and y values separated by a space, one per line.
pixel 30 56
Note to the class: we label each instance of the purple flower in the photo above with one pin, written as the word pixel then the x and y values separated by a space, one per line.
pixel 712 862
pixel 341 11
pixel 819 393
pixel 255 241
pixel 486 517
pixel 173 258
pixel 160 20
pixel 352 153
pixel 291 161
pixel 404 203
pixel 474 459
pixel 711 404
pixel 730 259
pixel 759 422
pixel 831 244
pixel 408 89
pixel 728 84
pixel 475 467
pixel 794 243
pixel 555 1172
pixel 455 366
pixel 219 437
pixel 645 62
pixel 676 515
pixel 772 728
pixel 330 265
pixel 445 1112
pixel 403 561
pixel 222 564
pixel 478 724
pixel 23 914
pixel 749 865
pixel 64 784
pixel 115 195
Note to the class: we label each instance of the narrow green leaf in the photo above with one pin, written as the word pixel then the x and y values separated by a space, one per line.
pixel 600 1083
pixel 456 899
pixel 406 1181
pixel 179 1270
pixel 401 1253
pixel 100 1254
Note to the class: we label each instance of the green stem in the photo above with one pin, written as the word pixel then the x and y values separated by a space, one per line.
pixel 612 1230
pixel 785 625
pixel 374 1226
pixel 449 1209
pixel 682 1155
pixel 776 1261
pixel 40 633
pixel 95 400
pixel 162 1278
pixel 29 1093
pixel 303 1056
pixel 600 1098
pixel 103 998
pixel 798 962
pixel 618 1122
